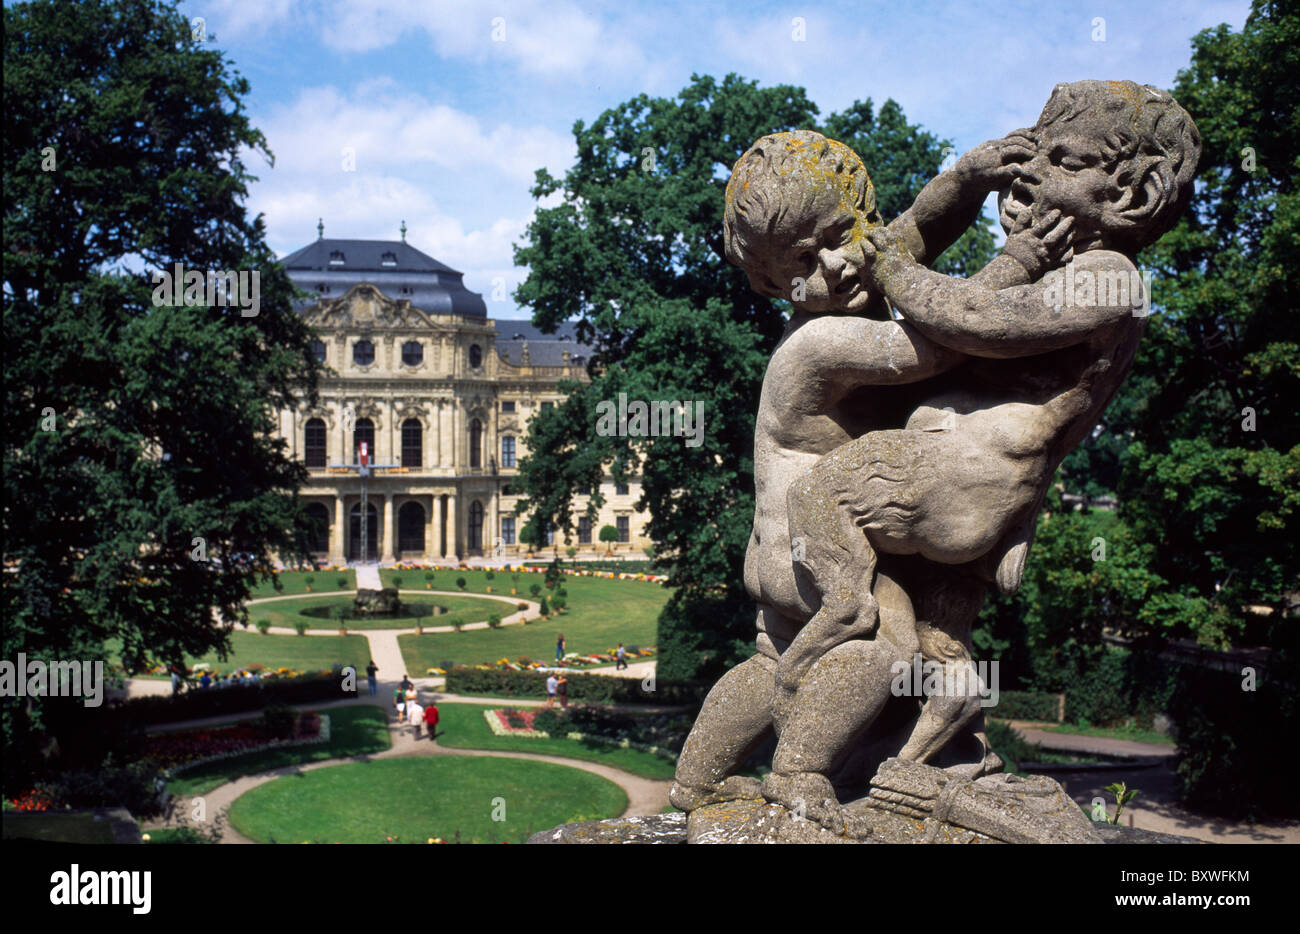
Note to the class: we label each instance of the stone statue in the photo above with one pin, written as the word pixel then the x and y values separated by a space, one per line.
pixel 908 428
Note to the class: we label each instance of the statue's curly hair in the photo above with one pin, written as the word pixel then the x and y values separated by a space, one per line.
pixel 786 175
pixel 1148 132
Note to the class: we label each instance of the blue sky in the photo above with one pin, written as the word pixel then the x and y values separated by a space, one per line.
pixel 448 123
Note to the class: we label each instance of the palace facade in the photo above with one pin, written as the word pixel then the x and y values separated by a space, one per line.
pixel 440 395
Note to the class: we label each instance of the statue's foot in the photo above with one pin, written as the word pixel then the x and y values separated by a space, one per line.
pixel 991 764
pixel 732 788
pixel 810 796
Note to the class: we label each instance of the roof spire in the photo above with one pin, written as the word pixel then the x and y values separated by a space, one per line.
pixel 403 231
pixel 320 228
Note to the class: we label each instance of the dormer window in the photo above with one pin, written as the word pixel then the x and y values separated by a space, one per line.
pixel 388 259
pixel 336 257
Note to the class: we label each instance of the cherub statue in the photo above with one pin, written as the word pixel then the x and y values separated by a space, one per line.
pixel 900 465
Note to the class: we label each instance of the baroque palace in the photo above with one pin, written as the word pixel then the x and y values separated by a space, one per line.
pixel 440 396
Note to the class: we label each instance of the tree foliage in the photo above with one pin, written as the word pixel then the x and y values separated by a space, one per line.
pixel 137 438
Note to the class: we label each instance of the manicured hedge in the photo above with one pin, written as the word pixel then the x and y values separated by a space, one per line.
pixel 191 705
pixel 594 688
pixel 1027 705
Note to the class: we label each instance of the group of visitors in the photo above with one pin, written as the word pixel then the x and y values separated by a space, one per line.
pixel 406 701
pixel 234 679
pixel 557 686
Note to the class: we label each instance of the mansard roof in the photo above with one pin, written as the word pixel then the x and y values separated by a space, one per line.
pixel 329 268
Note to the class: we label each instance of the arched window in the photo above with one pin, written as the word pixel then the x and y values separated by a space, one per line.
pixel 314 443
pixel 364 431
pixel 507 451
pixel 412 442
pixel 476 526
pixel 476 443
pixel 363 353
pixel 475 356
pixel 412 353
pixel 318 528
pixel 410 528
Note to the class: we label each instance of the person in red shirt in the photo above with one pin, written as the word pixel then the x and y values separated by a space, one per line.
pixel 431 718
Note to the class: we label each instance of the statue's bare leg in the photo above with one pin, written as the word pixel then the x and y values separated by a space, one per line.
pixel 839 698
pixel 735 720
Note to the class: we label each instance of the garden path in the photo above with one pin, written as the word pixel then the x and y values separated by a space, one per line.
pixel 645 796
pixel 368 577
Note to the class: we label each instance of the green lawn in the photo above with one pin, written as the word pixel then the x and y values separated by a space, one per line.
pixel 354 731
pixel 1135 734
pixel 462 726
pixel 296 582
pixel 304 653
pixel 417 798
pixel 600 614
pixel 466 609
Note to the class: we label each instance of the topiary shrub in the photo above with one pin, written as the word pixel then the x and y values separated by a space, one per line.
pixel 534 589
pixel 397 582
pixel 263 626
pixel 278 721
pixel 461 582
pixel 300 627
pixel 342 582
pixel 494 621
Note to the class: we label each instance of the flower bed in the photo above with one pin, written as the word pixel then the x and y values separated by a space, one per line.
pixel 321 735
pixel 571 661
pixel 498 722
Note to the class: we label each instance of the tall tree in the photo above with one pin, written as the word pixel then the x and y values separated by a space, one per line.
pixel 1201 445
pixel 631 258
pixel 143 483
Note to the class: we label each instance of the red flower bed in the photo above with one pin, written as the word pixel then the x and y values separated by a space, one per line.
pixel 526 715
pixel 173 749
pixel 34 800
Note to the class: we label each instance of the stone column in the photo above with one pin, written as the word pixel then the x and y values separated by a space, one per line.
pixel 453 527
pixel 431 529
pixel 437 432
pixel 387 547
pixel 338 534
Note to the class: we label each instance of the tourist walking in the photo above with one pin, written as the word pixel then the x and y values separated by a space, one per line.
pixel 559 649
pixel 431 719
pixel 551 684
pixel 415 716
pixel 562 690
pixel 407 684
pixel 399 703
pixel 372 672
pixel 621 656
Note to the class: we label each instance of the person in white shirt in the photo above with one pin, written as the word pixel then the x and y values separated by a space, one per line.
pixel 415 716
pixel 551 684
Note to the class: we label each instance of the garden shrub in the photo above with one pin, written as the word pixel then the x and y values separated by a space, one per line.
pixel 1010 745
pixel 500 682
pixel 137 787
pixel 278 721
pixel 1236 746
pixel 1027 705
pixel 192 705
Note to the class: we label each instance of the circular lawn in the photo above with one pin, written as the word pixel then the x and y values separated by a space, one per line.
pixel 413 799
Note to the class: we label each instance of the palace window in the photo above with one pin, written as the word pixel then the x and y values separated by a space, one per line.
pixel 507 530
pixel 547 406
pixel 475 526
pixel 620 489
pixel 507 451
pixel 318 350
pixel 410 528
pixel 624 528
pixel 363 353
pixel 388 259
pixel 507 407
pixel 412 442
pixel 318 528
pixel 314 446
pixel 336 257
pixel 412 353
pixel 476 443
pixel 584 530
pixel 475 356
pixel 363 432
